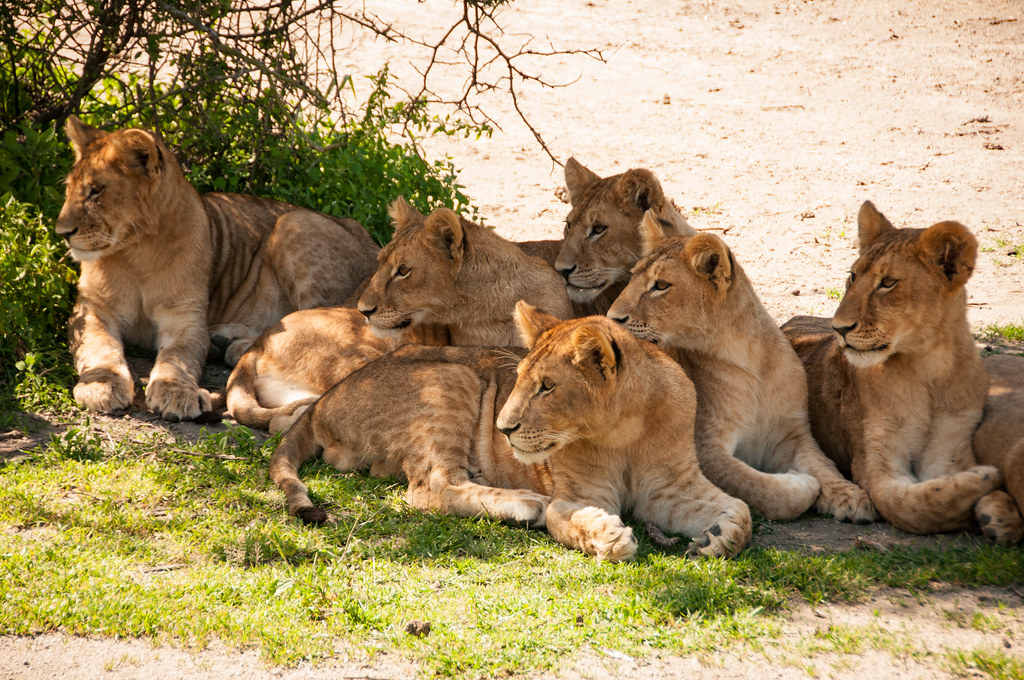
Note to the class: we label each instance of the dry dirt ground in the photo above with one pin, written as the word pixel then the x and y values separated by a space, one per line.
pixel 769 123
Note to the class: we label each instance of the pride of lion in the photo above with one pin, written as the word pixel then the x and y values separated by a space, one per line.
pixel 628 370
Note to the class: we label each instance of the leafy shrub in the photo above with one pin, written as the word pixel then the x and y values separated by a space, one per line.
pixel 36 287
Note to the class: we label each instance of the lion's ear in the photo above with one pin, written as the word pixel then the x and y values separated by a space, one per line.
pixel 142 151
pixel 402 214
pixel 641 188
pixel 653 232
pixel 592 346
pixel 710 258
pixel 871 224
pixel 952 248
pixel 444 224
pixel 81 135
pixel 532 322
pixel 577 179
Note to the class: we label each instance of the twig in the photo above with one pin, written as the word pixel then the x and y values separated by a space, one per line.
pixel 200 454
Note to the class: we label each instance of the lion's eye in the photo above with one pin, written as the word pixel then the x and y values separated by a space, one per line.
pixel 660 284
pixel 887 283
pixel 853 277
pixel 94 191
pixel 401 271
pixel 597 230
pixel 545 387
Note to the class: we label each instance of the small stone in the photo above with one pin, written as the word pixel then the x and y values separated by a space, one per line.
pixel 418 628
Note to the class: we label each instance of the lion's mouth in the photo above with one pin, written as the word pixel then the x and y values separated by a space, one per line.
pixel 865 358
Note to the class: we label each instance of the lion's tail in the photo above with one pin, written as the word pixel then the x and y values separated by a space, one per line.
pixel 244 405
pixel 298 445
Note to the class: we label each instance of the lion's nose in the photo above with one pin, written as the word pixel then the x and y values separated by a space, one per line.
pixel 619 319
pixel 566 271
pixel 843 330
pixel 507 431
pixel 367 311
pixel 66 228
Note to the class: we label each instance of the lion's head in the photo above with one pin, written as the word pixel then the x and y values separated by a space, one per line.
pixel 568 387
pixel 110 190
pixel 680 288
pixel 601 239
pixel 415 277
pixel 905 289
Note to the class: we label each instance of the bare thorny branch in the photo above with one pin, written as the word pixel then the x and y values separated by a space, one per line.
pixel 289 47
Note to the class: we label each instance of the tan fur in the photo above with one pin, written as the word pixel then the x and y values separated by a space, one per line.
pixel 897 390
pixel 448 271
pixel 427 415
pixel 299 358
pixel 445 441
pixel 753 438
pixel 165 268
pixel 614 418
pixel 602 237
pixel 999 440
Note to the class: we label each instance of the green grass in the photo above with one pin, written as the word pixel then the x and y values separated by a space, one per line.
pixel 138 536
pixel 987 663
pixel 1004 333
pixel 834 293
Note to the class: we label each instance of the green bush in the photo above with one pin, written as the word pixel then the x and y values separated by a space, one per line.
pixel 36 286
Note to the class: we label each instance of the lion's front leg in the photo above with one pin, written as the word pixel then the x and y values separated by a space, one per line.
pixel 173 390
pixel 686 503
pixel 839 497
pixel 104 381
pixel 590 529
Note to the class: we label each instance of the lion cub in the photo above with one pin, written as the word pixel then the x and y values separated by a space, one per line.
pixel 999 440
pixel 896 383
pixel 753 437
pixel 602 231
pixel 447 271
pixel 593 416
pixel 302 356
pixel 168 269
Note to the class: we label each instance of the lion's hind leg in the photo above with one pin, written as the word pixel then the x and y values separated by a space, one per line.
pixel 451 492
pixel 317 261
pixel 782 495
pixel 941 504
pixel 297 446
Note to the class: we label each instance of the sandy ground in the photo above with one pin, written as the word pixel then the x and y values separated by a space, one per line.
pixel 770 123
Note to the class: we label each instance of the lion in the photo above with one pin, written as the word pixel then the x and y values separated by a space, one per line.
pixel 753 437
pixel 168 269
pixel 594 422
pixel 602 232
pixel 302 356
pixel 999 440
pixel 896 383
pixel 447 271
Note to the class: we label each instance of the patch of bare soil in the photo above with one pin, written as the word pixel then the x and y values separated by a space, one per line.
pixel 768 123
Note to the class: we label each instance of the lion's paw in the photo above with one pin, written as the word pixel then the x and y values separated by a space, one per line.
pixel 982 478
pixel 724 539
pixel 531 508
pixel 609 539
pixel 999 518
pixel 176 401
pixel 105 396
pixel 846 502
pixel 795 492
